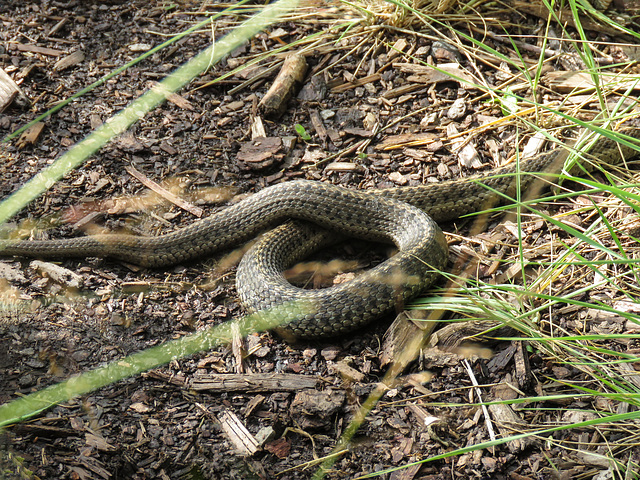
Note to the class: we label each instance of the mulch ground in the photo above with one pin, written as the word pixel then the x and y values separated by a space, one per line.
pixel 173 422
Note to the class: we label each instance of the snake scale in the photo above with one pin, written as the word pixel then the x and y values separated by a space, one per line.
pixel 406 216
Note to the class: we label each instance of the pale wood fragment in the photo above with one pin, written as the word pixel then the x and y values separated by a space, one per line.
pixel 277 382
pixel 403 140
pixel 358 82
pixel 69 60
pixel 8 90
pixel 290 77
pixel 566 81
pixel 257 128
pixel 177 100
pixel 163 192
pixel 343 167
pixel 237 433
pixel 563 16
pixel 404 338
pixel 58 274
pixel 41 50
pixel 397 48
pixel 347 372
pixel 509 423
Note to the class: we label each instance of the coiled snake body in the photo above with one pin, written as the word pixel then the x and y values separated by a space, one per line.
pixel 406 216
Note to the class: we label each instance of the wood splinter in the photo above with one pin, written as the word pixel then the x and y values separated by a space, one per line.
pixel 291 76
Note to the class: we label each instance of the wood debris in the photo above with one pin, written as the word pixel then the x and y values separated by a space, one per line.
pixel 58 274
pixel 289 79
pixel 237 433
pixel 261 152
pixel 69 60
pixel 315 409
pixel 446 72
pixel 567 82
pixel 282 382
pixel 356 82
pixel 8 90
pixel 163 192
pixel 30 135
pixel 394 142
pixel 172 97
pixel 41 50
pixel 509 423
pixel 405 337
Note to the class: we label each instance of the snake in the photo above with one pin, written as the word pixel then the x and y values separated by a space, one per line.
pixel 299 216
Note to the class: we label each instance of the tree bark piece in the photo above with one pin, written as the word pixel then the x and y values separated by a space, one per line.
pixel 291 76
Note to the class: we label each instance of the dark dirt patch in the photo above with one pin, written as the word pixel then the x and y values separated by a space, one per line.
pixel 158 425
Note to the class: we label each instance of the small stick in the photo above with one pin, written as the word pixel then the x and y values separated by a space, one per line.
pixel 163 192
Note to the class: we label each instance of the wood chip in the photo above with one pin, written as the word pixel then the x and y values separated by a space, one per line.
pixel 94 465
pixel 509 423
pixel 315 90
pixel 69 61
pixel 237 433
pixel 398 178
pixel 533 146
pixel 466 153
pixel 394 142
pixel 8 90
pixel 359 132
pixel 567 82
pixel 289 79
pixel 280 447
pixel 283 382
pixel 469 157
pixel 347 372
pixel 343 167
pixel 163 192
pixel 261 152
pixel 397 49
pixel 315 409
pixel 11 273
pixel 257 128
pixel 358 82
pixel 30 135
pixel 402 90
pixel 318 125
pixel 99 443
pixel 58 26
pixel 140 47
pixel 404 338
pixel 445 72
pixel 523 370
pixel 177 100
pixel 58 274
pixel 41 50
pixel 254 402
pixel 458 109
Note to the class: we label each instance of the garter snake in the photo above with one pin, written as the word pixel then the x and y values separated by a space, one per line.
pixel 405 216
